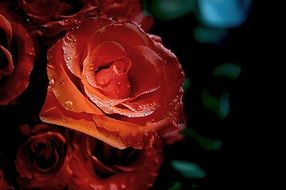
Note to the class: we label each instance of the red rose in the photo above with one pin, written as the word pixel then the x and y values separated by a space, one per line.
pixel 3 184
pixel 55 16
pixel 122 10
pixel 105 167
pixel 17 58
pixel 49 161
pixel 113 82
pixel 42 162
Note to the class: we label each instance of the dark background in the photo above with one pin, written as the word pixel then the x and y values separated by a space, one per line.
pixel 226 167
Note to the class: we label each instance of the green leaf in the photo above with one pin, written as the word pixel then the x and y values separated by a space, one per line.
pixel 209 35
pixel 194 186
pixel 188 169
pixel 176 186
pixel 171 9
pixel 186 84
pixel 229 70
pixel 219 105
pixel 208 144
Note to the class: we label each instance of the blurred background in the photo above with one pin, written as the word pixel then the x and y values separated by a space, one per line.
pixel 213 40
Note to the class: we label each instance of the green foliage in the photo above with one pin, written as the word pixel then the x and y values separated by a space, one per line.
pixel 171 9
pixel 229 70
pixel 219 105
pixel 186 84
pixel 208 144
pixel 209 35
pixel 188 169
pixel 176 186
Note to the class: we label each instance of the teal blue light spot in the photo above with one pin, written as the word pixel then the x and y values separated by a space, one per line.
pixel 209 35
pixel 229 70
pixel 171 9
pixel 223 13
pixel 224 106
pixel 188 169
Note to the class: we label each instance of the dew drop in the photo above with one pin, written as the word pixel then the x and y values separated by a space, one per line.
pixel 123 186
pixel 113 187
pixel 52 82
pixel 60 83
pixel 68 105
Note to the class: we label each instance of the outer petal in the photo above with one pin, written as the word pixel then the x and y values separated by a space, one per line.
pixel 117 133
pixel 128 35
pixel 10 67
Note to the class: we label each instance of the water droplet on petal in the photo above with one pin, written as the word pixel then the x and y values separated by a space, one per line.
pixel 123 186
pixel 68 105
pixel 52 82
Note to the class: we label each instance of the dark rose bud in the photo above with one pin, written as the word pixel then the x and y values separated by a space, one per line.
pixel 42 161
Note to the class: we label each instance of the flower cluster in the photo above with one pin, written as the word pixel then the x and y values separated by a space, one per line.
pixel 112 98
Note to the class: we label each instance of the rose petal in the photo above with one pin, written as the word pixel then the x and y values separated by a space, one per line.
pixel 18 81
pixel 138 175
pixel 7 70
pixel 63 88
pixel 170 92
pixel 145 60
pixel 109 105
pixel 99 57
pixel 128 35
pixel 52 112
pixel 35 7
pixel 114 132
pixel 75 41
